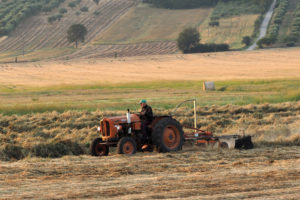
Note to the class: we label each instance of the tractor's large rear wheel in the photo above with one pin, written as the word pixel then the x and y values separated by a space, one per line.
pixel 167 135
pixel 126 145
pixel 98 149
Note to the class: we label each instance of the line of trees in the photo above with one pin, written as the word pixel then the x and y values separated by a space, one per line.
pixel 294 35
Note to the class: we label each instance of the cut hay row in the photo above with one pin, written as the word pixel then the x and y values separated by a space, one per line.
pixel 126 50
pixel 263 173
pixel 37 33
pixel 54 134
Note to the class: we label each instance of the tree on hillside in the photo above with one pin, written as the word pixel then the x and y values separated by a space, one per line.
pixel 246 40
pixel 76 32
pixel 188 39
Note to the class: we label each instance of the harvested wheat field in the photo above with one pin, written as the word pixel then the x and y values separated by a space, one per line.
pixel 195 173
pixel 264 64
pixel 269 171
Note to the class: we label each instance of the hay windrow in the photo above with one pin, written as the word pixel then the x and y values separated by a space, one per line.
pixel 53 134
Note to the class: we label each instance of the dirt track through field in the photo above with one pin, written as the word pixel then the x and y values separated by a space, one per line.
pixel 263 64
pixel 264 26
pixel 195 173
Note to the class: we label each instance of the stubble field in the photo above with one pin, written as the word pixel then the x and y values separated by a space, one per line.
pixel 261 173
pixel 263 64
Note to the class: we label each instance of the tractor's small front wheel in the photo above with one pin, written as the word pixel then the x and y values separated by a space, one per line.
pixel 99 149
pixel 127 145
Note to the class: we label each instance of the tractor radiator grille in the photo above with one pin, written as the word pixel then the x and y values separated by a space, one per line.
pixel 107 129
pixel 102 128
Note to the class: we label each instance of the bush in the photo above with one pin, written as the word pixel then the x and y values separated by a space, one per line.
pixel 290 44
pixel 58 16
pixel 63 11
pixel 97 12
pixel 84 9
pixel 264 41
pixel 72 4
pixel 96 1
pixel 214 23
pixel 246 40
pixel 204 48
pixel 54 18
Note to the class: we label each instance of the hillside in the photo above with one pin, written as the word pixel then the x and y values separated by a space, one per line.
pixel 290 23
pixel 138 27
pixel 36 33
pixel 130 28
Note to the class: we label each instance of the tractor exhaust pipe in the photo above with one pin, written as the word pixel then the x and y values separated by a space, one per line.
pixel 128 117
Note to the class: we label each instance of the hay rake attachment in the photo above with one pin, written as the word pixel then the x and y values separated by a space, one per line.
pixel 206 138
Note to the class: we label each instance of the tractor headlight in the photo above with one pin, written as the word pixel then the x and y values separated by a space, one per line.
pixel 118 127
pixel 99 130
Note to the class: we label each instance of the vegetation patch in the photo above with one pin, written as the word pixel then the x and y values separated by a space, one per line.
pixel 273 31
pixel 179 4
pixel 14 11
pixel 226 9
pixel 145 23
pixel 188 42
pixel 294 35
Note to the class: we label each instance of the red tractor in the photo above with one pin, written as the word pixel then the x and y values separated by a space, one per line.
pixel 124 132
pixel 165 134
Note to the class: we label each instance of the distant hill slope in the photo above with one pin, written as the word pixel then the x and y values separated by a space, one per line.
pixel 129 28
pixel 36 33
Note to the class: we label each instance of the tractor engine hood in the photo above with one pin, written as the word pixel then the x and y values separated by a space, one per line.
pixel 110 126
pixel 122 119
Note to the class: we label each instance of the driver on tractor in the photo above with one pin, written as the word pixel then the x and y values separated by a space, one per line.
pixel 146 116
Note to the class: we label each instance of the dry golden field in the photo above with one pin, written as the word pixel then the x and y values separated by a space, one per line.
pixel 194 173
pixel 263 64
